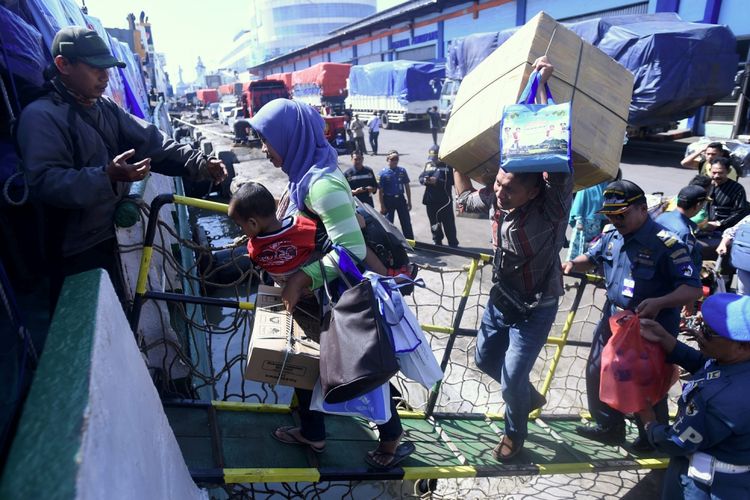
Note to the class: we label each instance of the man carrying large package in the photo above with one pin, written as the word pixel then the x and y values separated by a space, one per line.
pixel 533 208
pixel 532 216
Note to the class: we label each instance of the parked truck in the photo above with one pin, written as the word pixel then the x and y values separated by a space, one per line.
pixel 322 86
pixel 282 77
pixel 207 96
pixel 258 92
pixel 678 66
pixel 401 91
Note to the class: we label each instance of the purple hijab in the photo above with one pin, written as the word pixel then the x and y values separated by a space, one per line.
pixel 295 131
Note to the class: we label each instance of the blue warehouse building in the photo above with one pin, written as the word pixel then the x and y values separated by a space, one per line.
pixel 423 30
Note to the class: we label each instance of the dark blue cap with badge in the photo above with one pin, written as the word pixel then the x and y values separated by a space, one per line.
pixel 728 315
pixel 77 43
pixel 619 195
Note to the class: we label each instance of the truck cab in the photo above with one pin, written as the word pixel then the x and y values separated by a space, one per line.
pixel 257 93
pixel 447 98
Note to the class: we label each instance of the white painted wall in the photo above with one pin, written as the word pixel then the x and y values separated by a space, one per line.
pixel 128 449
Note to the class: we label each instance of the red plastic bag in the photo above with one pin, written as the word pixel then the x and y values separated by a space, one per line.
pixel 633 369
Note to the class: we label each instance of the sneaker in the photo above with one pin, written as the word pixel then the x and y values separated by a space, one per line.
pixel 614 435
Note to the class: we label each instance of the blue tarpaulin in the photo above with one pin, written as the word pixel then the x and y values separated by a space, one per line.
pixel 22 52
pixel 678 66
pixel 407 81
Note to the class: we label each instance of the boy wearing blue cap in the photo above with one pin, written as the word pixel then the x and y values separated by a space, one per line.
pixel 709 442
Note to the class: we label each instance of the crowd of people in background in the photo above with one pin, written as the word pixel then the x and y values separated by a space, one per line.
pixel 651 264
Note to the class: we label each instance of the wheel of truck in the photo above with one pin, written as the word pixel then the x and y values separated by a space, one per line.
pixel 384 120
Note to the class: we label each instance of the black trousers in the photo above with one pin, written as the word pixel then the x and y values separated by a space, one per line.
pixel 442 221
pixel 434 132
pixel 374 142
pixel 360 143
pixel 313 427
pixel 602 413
pixel 397 204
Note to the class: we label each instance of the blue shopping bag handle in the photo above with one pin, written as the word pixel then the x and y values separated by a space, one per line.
pixel 532 87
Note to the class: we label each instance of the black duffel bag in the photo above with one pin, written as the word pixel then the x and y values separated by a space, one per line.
pixel 356 354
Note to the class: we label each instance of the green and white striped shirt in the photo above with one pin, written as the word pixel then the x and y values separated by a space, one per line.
pixel 330 198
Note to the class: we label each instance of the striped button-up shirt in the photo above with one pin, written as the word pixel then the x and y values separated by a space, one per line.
pixel 530 239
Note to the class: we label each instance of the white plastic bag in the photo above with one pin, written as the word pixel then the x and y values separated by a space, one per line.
pixel 413 352
pixel 398 318
pixel 420 365
pixel 375 406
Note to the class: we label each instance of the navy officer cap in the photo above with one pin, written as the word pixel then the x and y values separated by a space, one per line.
pixel 728 315
pixel 619 195
pixel 692 195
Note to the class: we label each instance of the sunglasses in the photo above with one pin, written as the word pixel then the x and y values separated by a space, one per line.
pixel 618 217
pixel 393 158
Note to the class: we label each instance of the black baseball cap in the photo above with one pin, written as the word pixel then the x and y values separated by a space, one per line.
pixel 692 195
pixel 82 44
pixel 619 195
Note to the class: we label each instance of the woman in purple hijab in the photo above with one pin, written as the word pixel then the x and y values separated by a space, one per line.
pixel 293 139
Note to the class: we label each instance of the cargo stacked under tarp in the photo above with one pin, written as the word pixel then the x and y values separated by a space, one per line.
pixel 321 85
pixel 678 66
pixel 598 88
pixel 400 90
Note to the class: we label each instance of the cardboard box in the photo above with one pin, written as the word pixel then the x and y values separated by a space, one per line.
pixel 599 89
pixel 274 332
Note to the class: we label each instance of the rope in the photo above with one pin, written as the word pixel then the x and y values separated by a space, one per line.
pixel 464 387
pixel 9 181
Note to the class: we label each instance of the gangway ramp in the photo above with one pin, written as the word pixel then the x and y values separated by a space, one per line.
pixel 229 443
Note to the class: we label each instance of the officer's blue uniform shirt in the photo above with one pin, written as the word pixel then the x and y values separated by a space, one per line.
pixel 393 180
pixel 713 417
pixel 685 229
pixel 649 263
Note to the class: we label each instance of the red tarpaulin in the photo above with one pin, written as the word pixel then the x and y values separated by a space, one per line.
pixel 207 96
pixel 282 77
pixel 330 77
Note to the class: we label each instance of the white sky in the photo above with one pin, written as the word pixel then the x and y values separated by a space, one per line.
pixel 186 29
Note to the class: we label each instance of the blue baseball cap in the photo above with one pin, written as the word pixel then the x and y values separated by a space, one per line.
pixel 728 315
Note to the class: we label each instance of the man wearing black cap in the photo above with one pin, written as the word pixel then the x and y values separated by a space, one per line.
pixel 690 201
pixel 709 442
pixel 437 179
pixel 648 270
pixel 81 151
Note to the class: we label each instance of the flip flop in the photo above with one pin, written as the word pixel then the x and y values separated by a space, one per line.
pixel 514 450
pixel 402 451
pixel 289 438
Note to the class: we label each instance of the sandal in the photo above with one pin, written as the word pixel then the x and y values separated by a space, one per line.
pixel 287 437
pixel 402 451
pixel 515 449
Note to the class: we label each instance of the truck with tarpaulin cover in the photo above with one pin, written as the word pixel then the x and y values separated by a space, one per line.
pixel 401 91
pixel 257 93
pixel 678 66
pixel 282 77
pixel 322 86
pixel 207 96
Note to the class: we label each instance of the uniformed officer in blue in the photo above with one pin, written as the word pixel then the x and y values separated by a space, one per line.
pixel 437 179
pixel 709 442
pixel 395 194
pixel 690 201
pixel 648 270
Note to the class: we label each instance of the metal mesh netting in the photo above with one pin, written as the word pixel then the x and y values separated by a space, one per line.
pixel 212 341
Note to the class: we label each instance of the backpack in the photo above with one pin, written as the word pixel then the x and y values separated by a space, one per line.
pixel 741 248
pixel 383 238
